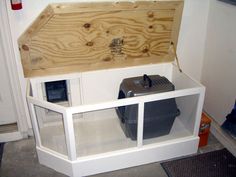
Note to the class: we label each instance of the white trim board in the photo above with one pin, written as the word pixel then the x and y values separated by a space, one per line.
pixel 120 159
pixel 13 136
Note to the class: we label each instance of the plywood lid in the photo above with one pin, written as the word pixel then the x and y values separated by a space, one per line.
pixel 79 37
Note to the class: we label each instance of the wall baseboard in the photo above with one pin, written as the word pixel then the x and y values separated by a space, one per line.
pixel 13 136
pixel 223 137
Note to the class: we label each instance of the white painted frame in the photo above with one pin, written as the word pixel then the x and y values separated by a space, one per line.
pixel 18 98
pixel 141 154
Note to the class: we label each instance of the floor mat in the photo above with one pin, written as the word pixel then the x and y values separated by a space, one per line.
pixel 1 152
pixel 219 163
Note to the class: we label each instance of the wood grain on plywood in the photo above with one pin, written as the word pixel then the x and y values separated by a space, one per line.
pixel 79 37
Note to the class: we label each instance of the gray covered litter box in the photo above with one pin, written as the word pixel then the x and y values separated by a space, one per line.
pixel 158 115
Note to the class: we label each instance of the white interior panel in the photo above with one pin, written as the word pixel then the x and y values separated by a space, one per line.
pixel 100 86
pixel 183 81
pixel 188 111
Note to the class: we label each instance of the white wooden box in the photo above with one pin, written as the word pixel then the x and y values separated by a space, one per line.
pixel 76 136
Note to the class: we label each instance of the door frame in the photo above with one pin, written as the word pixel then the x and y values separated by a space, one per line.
pixel 12 71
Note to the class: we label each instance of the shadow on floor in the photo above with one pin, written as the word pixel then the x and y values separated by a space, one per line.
pixel 1 152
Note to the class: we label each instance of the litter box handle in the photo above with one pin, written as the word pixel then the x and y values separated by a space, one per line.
pixel 145 79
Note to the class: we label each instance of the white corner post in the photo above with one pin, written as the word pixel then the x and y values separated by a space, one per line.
pixel 35 124
pixel 70 135
pixel 199 110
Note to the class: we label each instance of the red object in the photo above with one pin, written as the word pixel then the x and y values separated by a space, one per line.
pixel 204 130
pixel 16 4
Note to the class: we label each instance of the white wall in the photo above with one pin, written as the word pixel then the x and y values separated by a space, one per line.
pixel 191 41
pixel 13 86
pixel 219 69
pixel 6 99
pixel 192 37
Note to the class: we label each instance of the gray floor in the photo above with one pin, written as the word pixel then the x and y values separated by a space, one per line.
pixel 20 160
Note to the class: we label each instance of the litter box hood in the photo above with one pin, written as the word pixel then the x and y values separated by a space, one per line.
pixel 75 37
